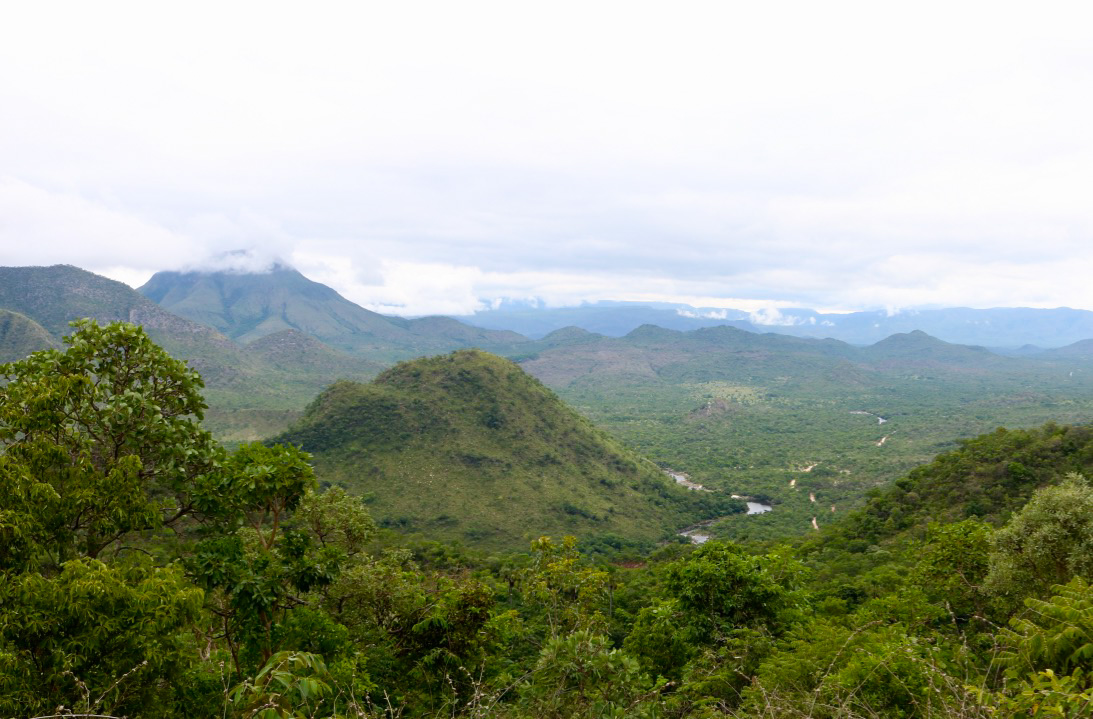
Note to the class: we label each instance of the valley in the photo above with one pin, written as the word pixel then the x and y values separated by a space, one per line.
pixel 794 423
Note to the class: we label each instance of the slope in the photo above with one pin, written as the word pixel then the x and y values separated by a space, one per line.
pixel 988 477
pixel 20 335
pixel 808 425
pixel 468 446
pixel 54 296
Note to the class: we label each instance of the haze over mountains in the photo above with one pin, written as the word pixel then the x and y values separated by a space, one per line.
pixel 232 325
pixel 1000 327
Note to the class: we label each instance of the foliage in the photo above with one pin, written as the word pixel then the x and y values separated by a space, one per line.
pixel 99 441
pixel 579 675
pixel 291 685
pixel 108 636
pixel 1049 541
pixel 953 564
pixel 153 581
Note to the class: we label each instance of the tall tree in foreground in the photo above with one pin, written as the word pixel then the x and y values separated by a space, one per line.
pixel 100 448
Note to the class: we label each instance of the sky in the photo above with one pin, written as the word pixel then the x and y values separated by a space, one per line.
pixel 436 157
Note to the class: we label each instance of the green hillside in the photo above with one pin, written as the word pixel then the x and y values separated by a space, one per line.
pixel 249 306
pixel 54 296
pixel 20 335
pixel 468 446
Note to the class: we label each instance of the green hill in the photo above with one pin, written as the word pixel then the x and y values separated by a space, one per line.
pixel 468 446
pixel 920 349
pixel 249 306
pixel 20 335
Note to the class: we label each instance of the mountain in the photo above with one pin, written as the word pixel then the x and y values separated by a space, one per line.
pixel 652 353
pixel 1081 351
pixel 55 296
pixel 20 335
pixel 469 446
pixel 249 306
pixel 252 390
pixel 1004 327
pixel 918 349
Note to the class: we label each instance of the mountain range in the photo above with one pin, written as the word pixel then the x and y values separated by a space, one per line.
pixel 265 344
pixel 1000 327
pixel 739 409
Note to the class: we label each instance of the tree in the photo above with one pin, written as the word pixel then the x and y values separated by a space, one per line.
pixel 97 442
pixel 1049 541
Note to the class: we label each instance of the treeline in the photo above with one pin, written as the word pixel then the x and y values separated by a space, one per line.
pixel 148 572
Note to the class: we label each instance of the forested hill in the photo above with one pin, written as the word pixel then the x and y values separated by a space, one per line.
pixel 468 446
pixel 20 335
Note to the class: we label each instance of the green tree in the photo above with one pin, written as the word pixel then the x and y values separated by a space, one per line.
pixel 1049 541
pixel 97 442
pixel 580 675
pixel 953 564
pixel 99 447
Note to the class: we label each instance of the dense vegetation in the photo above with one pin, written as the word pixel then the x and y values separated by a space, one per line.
pixel 148 572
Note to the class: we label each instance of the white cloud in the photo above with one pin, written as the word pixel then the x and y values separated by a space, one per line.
pixel 421 157
pixel 773 317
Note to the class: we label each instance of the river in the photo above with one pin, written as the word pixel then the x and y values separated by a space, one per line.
pixel 697 534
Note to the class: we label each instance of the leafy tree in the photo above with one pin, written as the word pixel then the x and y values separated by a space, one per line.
pixel 99 445
pixel 1049 541
pixel 570 594
pixel 94 636
pixel 953 565
pixel 721 587
pixel 580 675
pixel 98 441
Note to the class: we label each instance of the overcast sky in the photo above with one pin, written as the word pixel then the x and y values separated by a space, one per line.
pixel 427 157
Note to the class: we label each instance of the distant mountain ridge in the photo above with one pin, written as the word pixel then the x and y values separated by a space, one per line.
pixel 54 296
pixel 241 382
pixel 1000 327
